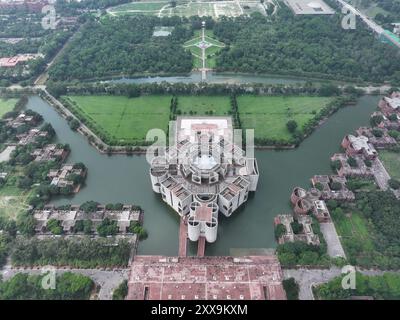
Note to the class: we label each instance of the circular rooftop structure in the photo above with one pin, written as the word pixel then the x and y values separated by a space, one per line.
pixel 205 162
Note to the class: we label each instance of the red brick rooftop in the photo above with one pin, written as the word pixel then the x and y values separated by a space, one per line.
pixel 206 278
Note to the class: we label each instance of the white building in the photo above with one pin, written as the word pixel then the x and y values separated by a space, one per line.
pixel 203 173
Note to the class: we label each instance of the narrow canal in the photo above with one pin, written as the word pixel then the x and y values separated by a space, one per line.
pixel 125 179
pixel 224 78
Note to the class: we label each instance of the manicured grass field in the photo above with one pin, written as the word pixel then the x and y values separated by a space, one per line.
pixel 391 161
pixel 123 118
pixel 219 105
pixel 268 115
pixel 6 105
pixel 140 6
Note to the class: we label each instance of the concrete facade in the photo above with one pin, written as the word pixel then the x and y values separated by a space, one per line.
pixel 203 172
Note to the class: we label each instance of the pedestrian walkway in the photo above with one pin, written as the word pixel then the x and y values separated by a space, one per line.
pixel 335 248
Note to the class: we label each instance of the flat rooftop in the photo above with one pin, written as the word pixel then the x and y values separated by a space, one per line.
pixel 206 278
pixel 189 127
pixel 309 7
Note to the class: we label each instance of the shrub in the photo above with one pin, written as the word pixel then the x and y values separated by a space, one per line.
pixel 336 186
pixel 352 162
pixel 291 125
pixel 296 227
pixel 280 230
pixel 394 184
pixel 291 288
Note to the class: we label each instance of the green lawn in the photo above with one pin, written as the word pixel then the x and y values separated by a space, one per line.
pixel 219 105
pixel 127 120
pixel 268 115
pixel 356 237
pixel 123 118
pixel 140 6
pixel 391 161
pixel 13 200
pixel 6 105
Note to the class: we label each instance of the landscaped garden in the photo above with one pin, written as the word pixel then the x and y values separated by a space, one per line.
pixel 212 47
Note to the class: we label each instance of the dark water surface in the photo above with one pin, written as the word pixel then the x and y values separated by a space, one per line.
pixel 125 179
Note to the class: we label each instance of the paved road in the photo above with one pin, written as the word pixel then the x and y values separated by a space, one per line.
pixel 306 278
pixel 335 248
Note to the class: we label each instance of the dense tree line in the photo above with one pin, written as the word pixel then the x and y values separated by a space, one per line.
pixel 235 111
pixel 58 89
pixel 82 253
pixel 69 286
pixel 122 46
pixel 392 7
pixel 316 45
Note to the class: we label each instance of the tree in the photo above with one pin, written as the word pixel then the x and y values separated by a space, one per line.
pixel 121 291
pixel 376 120
pixel 107 228
pixel 26 224
pixel 287 259
pixel 89 206
pixel 336 186
pixel 296 227
pixel 377 132
pixel 336 165
pixel 291 288
pixel 280 230
pixel 74 124
pixel 54 226
pixel 368 163
pixel 291 126
pixel 394 184
pixel 352 162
